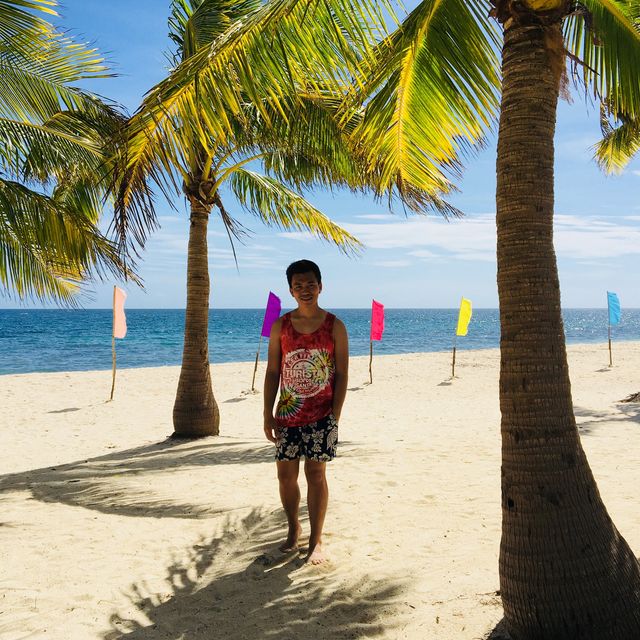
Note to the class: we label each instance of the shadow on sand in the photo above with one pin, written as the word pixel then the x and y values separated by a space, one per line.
pixel 271 595
pixel 589 420
pixel 97 483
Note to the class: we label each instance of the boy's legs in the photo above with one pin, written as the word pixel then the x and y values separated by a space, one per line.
pixel 290 497
pixel 317 501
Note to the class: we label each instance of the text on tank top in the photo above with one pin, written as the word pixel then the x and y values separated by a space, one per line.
pixel 307 372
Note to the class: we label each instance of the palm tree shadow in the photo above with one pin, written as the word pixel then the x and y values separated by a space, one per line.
pixel 270 597
pixel 630 410
pixel 591 419
pixel 102 483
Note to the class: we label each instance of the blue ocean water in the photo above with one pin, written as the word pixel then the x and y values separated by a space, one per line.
pixel 80 340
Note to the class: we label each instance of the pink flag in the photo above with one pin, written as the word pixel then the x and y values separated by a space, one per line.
pixel 119 319
pixel 377 320
pixel 271 314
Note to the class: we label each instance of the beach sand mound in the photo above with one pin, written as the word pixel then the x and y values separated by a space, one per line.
pixel 109 529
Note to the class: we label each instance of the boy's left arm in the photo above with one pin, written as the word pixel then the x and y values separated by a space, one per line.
pixel 341 355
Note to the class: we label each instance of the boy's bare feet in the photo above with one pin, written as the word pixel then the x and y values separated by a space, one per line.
pixel 316 555
pixel 291 543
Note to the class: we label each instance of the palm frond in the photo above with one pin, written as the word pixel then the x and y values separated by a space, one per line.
pixel 27 275
pixel 306 146
pixel 618 145
pixel 39 64
pixel 303 146
pixel 276 205
pixel 194 24
pixel 20 16
pixel 49 245
pixel 55 146
pixel 606 38
pixel 147 154
pixel 31 92
pixel 282 47
pixel 431 93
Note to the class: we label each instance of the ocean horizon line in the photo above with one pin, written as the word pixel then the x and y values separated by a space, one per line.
pixel 475 308
pixel 34 340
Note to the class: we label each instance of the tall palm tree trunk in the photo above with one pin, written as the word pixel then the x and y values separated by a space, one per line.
pixel 565 571
pixel 195 412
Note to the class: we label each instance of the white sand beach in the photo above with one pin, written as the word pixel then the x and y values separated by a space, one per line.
pixel 108 530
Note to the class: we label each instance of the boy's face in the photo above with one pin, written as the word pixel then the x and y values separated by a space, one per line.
pixel 305 289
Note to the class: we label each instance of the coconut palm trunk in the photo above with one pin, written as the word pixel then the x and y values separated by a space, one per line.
pixel 565 571
pixel 195 412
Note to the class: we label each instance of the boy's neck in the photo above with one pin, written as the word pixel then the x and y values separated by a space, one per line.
pixel 308 312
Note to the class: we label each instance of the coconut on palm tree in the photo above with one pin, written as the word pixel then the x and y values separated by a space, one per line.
pixel 430 90
pixel 52 159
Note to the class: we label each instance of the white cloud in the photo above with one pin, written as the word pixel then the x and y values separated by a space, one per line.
pixel 262 247
pixel 589 238
pixel 301 236
pixel 165 242
pixel 392 263
pixel 423 253
pixel 431 236
pixel 474 238
pixel 397 242
pixel 172 219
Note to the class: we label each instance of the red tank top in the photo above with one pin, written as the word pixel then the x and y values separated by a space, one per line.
pixel 307 373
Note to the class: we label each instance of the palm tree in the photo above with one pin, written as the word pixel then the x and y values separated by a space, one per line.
pixel 430 89
pixel 565 571
pixel 52 159
pixel 176 142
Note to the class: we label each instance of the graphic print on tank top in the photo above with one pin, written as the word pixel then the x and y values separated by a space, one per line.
pixel 306 374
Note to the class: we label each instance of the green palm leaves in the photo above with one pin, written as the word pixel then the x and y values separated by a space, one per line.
pixel 317 92
pixel 619 143
pixel 52 161
pixel 394 112
pixel 604 36
pixel 225 105
pixel 276 205
pixel 431 92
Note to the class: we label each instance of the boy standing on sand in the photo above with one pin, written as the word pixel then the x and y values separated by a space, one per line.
pixel 309 360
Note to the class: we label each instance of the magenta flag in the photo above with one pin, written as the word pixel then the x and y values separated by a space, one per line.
pixel 377 320
pixel 119 319
pixel 271 314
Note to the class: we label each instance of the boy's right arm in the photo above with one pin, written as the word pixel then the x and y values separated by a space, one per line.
pixel 272 380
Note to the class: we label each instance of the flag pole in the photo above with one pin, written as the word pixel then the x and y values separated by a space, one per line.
pixel 610 358
pixel 370 361
pixel 113 345
pixel 453 362
pixel 255 368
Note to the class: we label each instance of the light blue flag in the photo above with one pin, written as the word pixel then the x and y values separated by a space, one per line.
pixel 614 307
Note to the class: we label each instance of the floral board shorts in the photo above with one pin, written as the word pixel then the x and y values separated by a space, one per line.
pixel 315 441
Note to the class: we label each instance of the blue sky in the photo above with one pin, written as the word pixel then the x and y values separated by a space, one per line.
pixel 408 261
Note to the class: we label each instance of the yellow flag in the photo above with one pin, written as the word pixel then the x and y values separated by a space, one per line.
pixel 463 317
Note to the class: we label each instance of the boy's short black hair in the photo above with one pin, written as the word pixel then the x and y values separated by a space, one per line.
pixel 303 266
